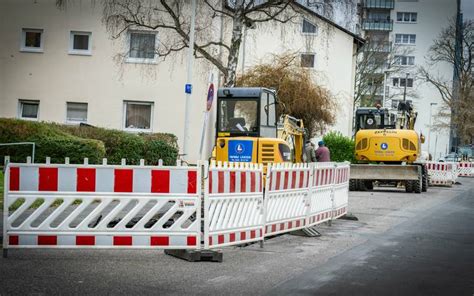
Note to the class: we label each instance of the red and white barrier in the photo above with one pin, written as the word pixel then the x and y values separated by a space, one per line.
pixel 321 193
pixel 233 204
pixel 103 206
pixel 286 197
pixel 71 206
pixel 341 190
pixel 466 169
pixel 440 173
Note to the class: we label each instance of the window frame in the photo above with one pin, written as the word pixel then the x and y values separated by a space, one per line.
pixel 314 59
pixel 129 59
pixel 410 17
pixel 399 82
pixel 20 109
pixel 409 38
pixel 124 115
pixel 77 121
pixel 399 59
pixel 86 52
pixel 309 33
pixel 24 48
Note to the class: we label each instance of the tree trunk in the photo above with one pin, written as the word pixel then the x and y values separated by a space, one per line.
pixel 232 60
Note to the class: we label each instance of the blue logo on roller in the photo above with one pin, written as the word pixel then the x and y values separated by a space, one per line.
pixel 240 150
pixel 384 146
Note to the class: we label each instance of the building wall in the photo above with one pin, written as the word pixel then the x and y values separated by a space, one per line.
pixel 334 52
pixel 55 77
pixel 433 16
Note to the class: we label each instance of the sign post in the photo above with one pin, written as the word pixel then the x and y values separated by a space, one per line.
pixel 210 98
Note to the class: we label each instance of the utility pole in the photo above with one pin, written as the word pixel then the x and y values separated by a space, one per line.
pixel 453 138
pixel 189 82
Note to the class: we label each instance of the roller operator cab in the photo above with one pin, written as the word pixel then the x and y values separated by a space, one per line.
pixel 247 127
pixel 379 139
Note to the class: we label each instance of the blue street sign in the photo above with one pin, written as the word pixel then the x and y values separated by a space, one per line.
pixel 188 88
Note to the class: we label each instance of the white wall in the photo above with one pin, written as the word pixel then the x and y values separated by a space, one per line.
pixel 55 77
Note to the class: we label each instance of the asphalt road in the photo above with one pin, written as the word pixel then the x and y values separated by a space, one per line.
pixel 431 255
pixel 411 244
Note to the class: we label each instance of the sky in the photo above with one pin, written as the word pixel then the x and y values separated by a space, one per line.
pixel 467 7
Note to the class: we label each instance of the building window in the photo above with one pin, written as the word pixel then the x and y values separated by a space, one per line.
pixel 142 47
pixel 400 82
pixel 76 112
pixel 80 43
pixel 138 116
pixel 405 38
pixel 407 17
pixel 309 28
pixel 28 109
pixel 405 60
pixel 307 60
pixel 32 40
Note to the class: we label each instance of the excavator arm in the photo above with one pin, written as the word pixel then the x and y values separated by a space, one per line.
pixel 292 131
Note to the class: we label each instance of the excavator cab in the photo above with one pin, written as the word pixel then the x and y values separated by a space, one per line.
pixel 247 129
pixel 373 118
pixel 247 112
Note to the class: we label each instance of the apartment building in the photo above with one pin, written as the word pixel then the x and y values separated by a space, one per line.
pixel 404 31
pixel 63 66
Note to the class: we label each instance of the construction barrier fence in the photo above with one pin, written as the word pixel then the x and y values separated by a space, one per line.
pixel 440 173
pixel 166 207
pixel 466 169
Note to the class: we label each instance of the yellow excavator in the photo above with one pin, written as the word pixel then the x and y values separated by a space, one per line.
pixel 387 149
pixel 249 129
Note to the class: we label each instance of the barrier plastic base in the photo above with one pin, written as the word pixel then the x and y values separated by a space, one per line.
pixel 196 256
pixel 308 232
pixel 349 216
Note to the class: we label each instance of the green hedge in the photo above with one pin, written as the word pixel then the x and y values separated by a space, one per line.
pixel 77 142
pixel 133 147
pixel 341 147
pixel 49 140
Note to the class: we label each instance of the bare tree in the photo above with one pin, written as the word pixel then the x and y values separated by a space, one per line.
pixel 172 20
pixel 457 94
pixel 374 60
pixel 298 93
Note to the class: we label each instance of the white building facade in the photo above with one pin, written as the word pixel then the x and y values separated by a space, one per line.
pixel 411 26
pixel 63 66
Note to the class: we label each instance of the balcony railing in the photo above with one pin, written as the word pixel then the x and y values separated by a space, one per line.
pixel 382 4
pixel 377 25
pixel 380 47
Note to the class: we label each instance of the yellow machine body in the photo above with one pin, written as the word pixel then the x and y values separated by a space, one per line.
pixel 260 150
pixel 247 129
pixel 389 145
